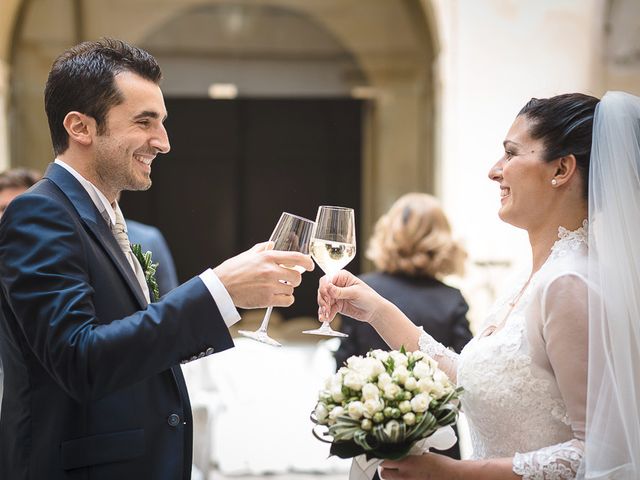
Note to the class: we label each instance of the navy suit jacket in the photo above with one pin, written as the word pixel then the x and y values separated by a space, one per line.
pixel 152 240
pixel 92 390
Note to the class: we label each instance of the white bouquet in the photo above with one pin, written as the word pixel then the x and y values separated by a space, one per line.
pixel 382 404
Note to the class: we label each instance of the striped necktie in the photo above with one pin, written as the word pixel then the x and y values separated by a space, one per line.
pixel 120 232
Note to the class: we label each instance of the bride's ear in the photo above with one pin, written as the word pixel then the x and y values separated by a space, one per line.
pixel 565 169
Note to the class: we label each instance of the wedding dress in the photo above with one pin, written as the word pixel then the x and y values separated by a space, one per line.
pixel 525 375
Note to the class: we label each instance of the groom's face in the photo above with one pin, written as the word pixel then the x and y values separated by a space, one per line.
pixel 134 135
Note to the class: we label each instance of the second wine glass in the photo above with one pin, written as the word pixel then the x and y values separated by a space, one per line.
pixel 292 233
pixel 333 246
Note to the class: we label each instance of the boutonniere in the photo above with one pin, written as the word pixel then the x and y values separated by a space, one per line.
pixel 149 269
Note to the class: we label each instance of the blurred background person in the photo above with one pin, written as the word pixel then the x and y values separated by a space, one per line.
pixel 413 249
pixel 14 182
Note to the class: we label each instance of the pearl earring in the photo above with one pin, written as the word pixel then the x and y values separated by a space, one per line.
pixel 554 182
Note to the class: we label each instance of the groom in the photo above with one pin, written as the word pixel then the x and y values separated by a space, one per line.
pixel 92 386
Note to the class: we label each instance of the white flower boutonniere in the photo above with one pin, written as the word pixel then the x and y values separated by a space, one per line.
pixel 149 269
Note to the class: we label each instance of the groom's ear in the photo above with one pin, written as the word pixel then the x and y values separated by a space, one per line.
pixel 565 169
pixel 81 128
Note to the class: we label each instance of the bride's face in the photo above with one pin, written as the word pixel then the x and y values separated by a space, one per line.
pixel 524 178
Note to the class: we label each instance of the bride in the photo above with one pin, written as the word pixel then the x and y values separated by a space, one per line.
pixel 551 382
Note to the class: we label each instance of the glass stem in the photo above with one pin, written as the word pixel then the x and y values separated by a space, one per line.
pixel 265 321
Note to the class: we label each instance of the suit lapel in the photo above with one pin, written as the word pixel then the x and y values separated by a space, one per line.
pixel 97 225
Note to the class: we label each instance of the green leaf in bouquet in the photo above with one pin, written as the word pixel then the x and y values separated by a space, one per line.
pixel 390 365
pixel 392 451
pixel 447 414
pixel 411 363
pixel 372 448
pixel 380 435
pixel 346 449
pixel 427 425
pixel 344 428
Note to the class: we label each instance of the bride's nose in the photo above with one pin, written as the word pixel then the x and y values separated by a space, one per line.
pixel 495 173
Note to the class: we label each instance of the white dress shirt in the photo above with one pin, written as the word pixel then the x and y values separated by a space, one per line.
pixel 219 293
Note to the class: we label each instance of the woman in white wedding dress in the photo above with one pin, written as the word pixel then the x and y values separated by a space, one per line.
pixel 527 388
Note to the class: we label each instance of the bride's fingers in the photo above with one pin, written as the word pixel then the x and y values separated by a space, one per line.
pixel 390 473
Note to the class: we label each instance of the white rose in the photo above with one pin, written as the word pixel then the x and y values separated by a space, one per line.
pixel 426 385
pixel 421 370
pixel 411 383
pixel 336 393
pixel 377 367
pixel 383 380
pixel 335 413
pixel 367 367
pixel 417 355
pixel 391 390
pixel 420 403
pixel 398 358
pixel 372 406
pixel 356 410
pixel 336 381
pixel 400 374
pixel 354 381
pixel 409 418
pixel 374 367
pixel 432 363
pixel 440 377
pixel 321 412
pixel 370 392
pixel 353 364
pixel 380 355
pixel 405 406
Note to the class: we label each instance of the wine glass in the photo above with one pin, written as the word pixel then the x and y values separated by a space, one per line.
pixel 292 233
pixel 333 246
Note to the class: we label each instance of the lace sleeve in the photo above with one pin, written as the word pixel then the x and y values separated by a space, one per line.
pixel 565 330
pixel 557 462
pixel 447 359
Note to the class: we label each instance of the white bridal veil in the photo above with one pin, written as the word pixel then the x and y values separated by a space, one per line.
pixel 612 449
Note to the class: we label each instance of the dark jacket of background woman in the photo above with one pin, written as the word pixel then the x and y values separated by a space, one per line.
pixel 438 308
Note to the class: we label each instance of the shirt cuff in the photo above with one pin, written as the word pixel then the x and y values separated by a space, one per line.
pixel 222 298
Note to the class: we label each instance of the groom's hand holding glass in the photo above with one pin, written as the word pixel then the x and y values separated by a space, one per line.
pixel 257 278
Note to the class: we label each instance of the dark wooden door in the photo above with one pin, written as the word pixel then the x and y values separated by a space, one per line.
pixel 235 165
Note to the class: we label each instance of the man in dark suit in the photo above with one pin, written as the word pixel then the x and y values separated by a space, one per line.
pixel 92 386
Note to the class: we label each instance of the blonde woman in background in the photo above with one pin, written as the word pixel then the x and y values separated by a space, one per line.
pixel 413 249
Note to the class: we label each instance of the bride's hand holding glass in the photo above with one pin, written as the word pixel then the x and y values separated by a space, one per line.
pixel 346 294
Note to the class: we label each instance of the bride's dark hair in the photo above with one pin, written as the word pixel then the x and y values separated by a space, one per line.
pixel 565 125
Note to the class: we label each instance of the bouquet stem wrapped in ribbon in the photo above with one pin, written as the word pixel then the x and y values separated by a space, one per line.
pixel 386 405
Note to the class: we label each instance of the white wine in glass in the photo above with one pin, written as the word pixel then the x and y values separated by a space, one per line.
pixel 292 233
pixel 333 246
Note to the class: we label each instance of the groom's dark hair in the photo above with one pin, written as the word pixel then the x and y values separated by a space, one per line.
pixel 82 79
pixel 565 125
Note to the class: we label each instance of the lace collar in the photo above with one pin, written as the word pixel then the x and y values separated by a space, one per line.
pixel 570 240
